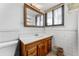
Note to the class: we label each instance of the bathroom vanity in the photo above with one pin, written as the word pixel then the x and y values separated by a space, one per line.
pixel 34 45
pixel 38 46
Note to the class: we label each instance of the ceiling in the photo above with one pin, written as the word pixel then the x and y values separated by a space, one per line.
pixel 44 6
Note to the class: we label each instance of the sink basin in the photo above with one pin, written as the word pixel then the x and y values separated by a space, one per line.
pixel 36 35
pixel 32 37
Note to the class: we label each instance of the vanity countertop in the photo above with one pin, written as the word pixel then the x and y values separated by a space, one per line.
pixel 26 39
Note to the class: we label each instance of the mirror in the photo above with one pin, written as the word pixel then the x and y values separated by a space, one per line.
pixel 32 17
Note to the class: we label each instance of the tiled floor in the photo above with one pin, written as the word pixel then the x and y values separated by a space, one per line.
pixel 51 54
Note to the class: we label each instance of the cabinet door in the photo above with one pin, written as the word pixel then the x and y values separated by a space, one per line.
pixel 41 49
pixel 46 46
pixel 49 44
pixel 32 51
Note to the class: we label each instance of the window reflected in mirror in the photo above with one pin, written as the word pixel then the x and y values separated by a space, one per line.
pixel 33 17
pixel 39 20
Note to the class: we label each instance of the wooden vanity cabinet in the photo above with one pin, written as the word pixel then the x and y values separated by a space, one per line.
pixel 38 48
pixel 49 46
pixel 41 48
pixel 31 49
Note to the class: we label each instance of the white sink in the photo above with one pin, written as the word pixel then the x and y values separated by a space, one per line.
pixel 31 38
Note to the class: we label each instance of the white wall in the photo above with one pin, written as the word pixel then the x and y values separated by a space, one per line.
pixel 66 36
pixel 9 16
pixel 11 25
pixel 78 34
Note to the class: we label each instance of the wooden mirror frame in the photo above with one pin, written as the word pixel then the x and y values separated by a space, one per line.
pixel 25 14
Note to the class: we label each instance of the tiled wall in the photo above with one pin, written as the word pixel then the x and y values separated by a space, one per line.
pixel 65 39
pixel 78 34
pixel 66 36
